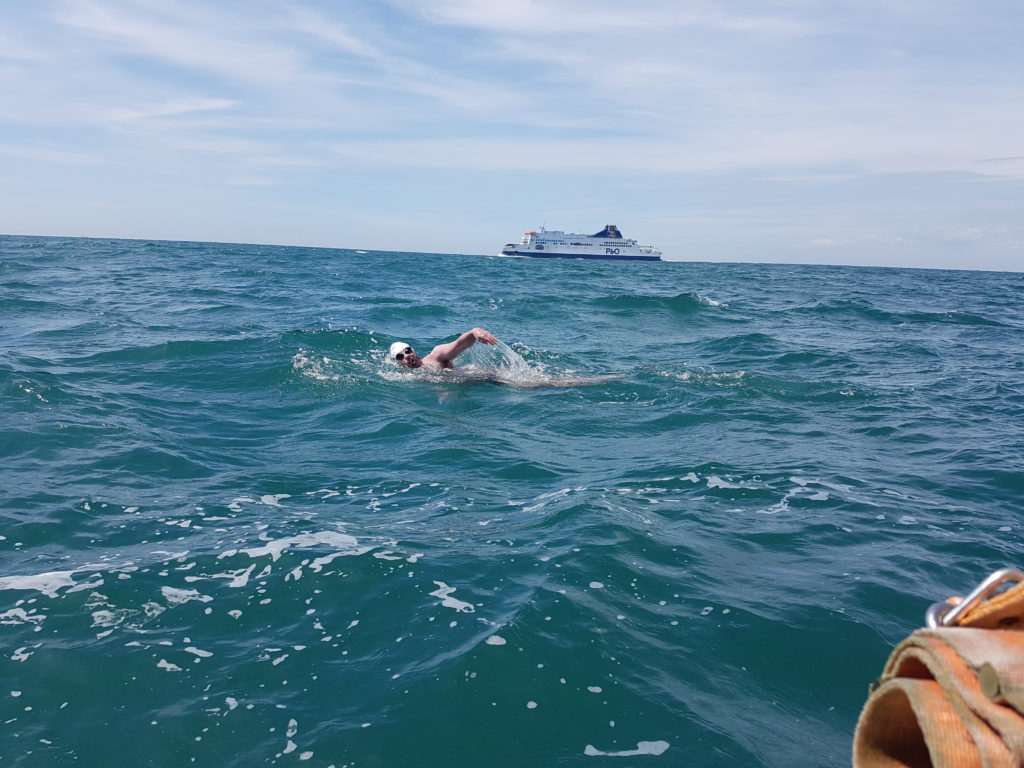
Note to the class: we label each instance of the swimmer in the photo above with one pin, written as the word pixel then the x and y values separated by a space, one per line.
pixel 441 356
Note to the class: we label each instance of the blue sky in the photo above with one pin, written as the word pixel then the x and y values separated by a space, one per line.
pixel 884 133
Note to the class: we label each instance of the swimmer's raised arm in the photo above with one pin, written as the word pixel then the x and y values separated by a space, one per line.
pixel 443 354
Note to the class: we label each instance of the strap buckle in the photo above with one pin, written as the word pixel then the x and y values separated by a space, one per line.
pixel 945 615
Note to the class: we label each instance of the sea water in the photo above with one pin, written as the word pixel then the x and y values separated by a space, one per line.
pixel 233 534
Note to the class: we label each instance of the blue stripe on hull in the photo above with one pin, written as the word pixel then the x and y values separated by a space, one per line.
pixel 550 255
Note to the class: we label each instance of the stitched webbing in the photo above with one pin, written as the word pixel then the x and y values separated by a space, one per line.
pixel 951 697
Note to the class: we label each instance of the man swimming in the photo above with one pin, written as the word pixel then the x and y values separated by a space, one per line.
pixel 442 355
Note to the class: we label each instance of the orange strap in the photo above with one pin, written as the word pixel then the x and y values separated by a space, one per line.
pixel 951 697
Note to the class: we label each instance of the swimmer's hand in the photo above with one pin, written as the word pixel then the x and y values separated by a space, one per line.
pixel 485 336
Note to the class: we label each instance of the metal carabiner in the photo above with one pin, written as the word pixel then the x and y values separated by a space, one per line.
pixel 945 615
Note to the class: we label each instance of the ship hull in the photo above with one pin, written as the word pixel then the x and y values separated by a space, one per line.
pixel 601 256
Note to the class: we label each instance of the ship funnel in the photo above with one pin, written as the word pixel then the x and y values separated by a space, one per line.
pixel 610 230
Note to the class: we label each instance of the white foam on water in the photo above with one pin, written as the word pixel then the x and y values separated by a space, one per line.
pixel 313 367
pixel 541 501
pixel 170 555
pixel 531 705
pixel 403 490
pixel 108 618
pixel 716 482
pixel 444 591
pixel 21 654
pixel 199 652
pixel 709 302
pixel 596 585
pixel 274 499
pixel 238 578
pixel 164 664
pixel 347 545
pixel 17 616
pixel 594 688
pixel 231 702
pixel 496 640
pixel 642 748
pixel 176 596
pixel 47 583
pixel 327 493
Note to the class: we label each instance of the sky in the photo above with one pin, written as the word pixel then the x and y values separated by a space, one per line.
pixel 863 132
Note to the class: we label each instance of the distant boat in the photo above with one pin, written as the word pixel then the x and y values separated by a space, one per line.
pixel 606 244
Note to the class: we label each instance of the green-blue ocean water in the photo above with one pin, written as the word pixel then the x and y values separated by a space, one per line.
pixel 233 534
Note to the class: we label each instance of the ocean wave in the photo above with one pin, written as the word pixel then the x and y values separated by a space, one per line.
pixel 7 266
pixel 682 303
pixel 868 311
pixel 30 307
pixel 16 285
pixel 409 314
pixel 176 350
pixel 780 388
pixel 755 346
pixel 142 463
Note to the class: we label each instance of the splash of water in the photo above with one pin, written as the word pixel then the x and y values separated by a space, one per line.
pixel 502 362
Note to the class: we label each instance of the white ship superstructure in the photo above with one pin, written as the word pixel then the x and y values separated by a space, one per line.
pixel 606 244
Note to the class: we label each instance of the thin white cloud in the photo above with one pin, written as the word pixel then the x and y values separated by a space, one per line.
pixel 49 155
pixel 576 17
pixel 337 34
pixel 964 235
pixel 13 49
pixel 391 71
pixel 251 181
pixel 172 107
pixel 186 35
pixel 872 149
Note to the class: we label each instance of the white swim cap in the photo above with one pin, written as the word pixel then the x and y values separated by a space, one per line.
pixel 398 348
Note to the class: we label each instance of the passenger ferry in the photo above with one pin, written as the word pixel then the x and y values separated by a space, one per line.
pixel 606 244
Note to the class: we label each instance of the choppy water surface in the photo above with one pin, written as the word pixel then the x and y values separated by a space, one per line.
pixel 232 534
